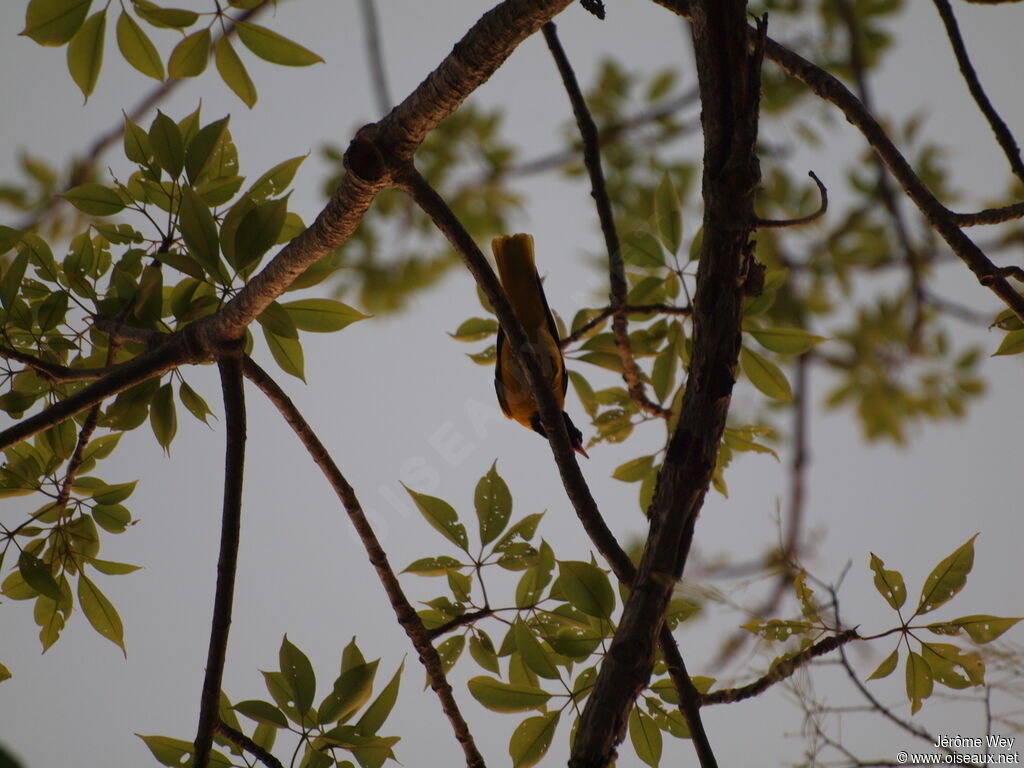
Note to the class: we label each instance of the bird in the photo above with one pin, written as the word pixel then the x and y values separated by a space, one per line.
pixel 521 283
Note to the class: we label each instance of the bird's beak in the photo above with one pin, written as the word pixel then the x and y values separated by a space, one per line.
pixel 580 450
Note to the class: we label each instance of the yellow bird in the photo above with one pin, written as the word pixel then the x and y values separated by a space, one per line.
pixel 519 278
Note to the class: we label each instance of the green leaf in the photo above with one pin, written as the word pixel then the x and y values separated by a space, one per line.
pixel 85 52
pixel 54 22
pixel 273 47
pixel 114 494
pixel 163 418
pixel 441 516
pixel 196 405
pixel 482 650
pixel 645 737
pixel 322 315
pixel 203 147
pixel 111 568
pixel 189 57
pixel 275 181
pixel 668 211
pixel 642 249
pixel 298 675
pixel 587 587
pixel 10 285
pixel 505 697
pixel 233 72
pixel 112 517
pixel 663 374
pixel 919 681
pixel 137 49
pixel 100 612
pixel 199 230
pixel 351 691
pixel 765 375
pixel 167 144
pixel 53 310
pixel 493 503
pixel 177 752
pixel 262 712
pixel 432 566
pixel 38 575
pixel 287 354
pixel 136 143
pixel 889 584
pixel 532 652
pixel 984 629
pixel 1012 344
pixel 375 715
pixel 475 329
pixel 887 667
pixel 532 738
pixel 94 199
pixel 5 673
pixel 634 470
pixel 786 341
pixel 258 231
pixel 947 578
pixel 167 18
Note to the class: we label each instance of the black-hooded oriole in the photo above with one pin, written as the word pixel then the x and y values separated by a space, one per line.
pixel 519 278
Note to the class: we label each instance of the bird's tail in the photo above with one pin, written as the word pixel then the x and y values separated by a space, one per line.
pixel 518 272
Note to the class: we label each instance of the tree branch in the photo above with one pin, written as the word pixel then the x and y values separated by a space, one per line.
pixel 230 366
pixel 51 371
pixel 405 613
pixel 780 670
pixel 242 741
pixel 729 80
pixel 999 128
pixel 989 215
pixel 598 191
pixel 631 309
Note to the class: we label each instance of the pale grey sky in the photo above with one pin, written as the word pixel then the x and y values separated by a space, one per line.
pixel 383 392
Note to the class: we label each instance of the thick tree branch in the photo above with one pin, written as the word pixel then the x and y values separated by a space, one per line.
pixel 598 190
pixel 176 351
pixel 230 366
pixel 406 614
pixel 999 127
pixel 565 458
pixel 729 78
pixel 242 741
pixel 780 671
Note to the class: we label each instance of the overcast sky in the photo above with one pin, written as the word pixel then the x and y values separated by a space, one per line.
pixel 383 393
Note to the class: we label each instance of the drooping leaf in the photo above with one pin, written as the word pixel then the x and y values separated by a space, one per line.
pixel 85 52
pixel 441 516
pixel 190 55
pixel 587 587
pixel 887 667
pixel 919 681
pixel 532 738
pixel 100 612
pixel 137 49
pixel 262 712
pixel 298 675
pixel 287 353
pixel 168 145
pixel 668 212
pixel 233 72
pixel 765 375
pixel 645 737
pixel 54 22
pixel 889 584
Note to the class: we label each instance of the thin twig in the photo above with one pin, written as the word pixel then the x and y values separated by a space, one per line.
pixel 784 223
pixel 999 127
pixel 459 621
pixel 629 309
pixel 51 371
pixel 230 366
pixel 242 741
pixel 405 613
pixel 598 190
pixel 780 670
pixel 990 215
pixel 374 53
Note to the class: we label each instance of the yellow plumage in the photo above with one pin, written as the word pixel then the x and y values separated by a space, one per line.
pixel 518 272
